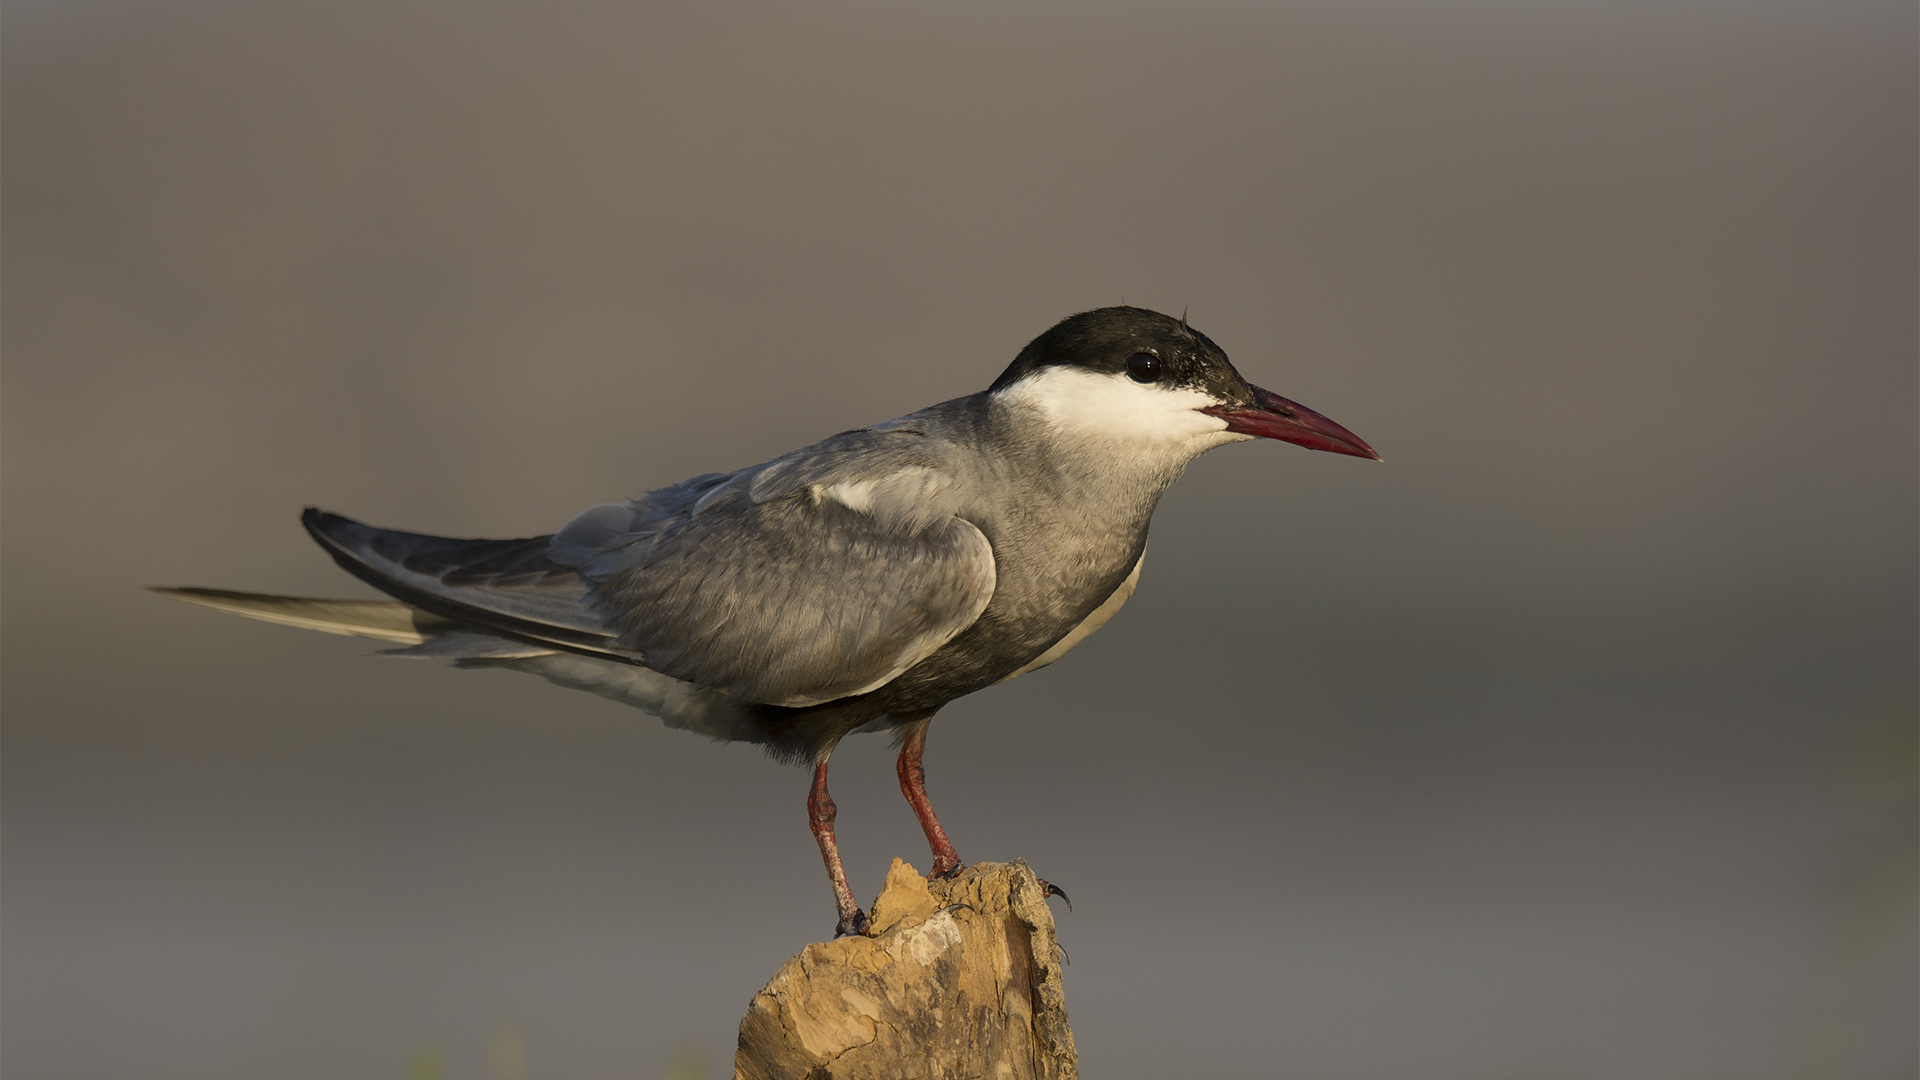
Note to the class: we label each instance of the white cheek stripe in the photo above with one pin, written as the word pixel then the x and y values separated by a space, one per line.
pixel 1114 407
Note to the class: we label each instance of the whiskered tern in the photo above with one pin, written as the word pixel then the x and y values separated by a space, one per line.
pixel 858 584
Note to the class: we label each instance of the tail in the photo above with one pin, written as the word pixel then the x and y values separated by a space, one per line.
pixel 482 603
pixel 427 635
pixel 430 636
pixel 387 620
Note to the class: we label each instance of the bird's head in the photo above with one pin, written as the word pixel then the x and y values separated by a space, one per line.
pixel 1130 376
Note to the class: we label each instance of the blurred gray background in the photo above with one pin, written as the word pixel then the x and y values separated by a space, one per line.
pixel 1575 741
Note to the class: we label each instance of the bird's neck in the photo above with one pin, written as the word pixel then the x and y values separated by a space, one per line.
pixel 1086 494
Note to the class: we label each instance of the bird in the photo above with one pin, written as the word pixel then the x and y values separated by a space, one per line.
pixel 855 585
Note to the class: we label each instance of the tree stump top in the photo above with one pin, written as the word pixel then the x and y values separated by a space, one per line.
pixel 959 979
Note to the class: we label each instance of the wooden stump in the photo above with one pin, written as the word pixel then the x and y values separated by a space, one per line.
pixel 961 979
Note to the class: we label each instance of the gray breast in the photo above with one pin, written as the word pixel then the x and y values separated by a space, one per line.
pixel 1067 539
pixel 1107 610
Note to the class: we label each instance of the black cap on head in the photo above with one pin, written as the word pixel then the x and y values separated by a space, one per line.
pixel 1144 345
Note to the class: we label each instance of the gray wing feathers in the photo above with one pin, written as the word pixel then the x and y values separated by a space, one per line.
pixel 511 586
pixel 792 612
pixel 819 575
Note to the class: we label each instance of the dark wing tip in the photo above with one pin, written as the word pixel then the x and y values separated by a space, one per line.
pixel 337 533
pixel 317 521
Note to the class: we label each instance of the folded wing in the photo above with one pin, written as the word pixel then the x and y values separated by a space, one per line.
pixel 508 586
pixel 822 574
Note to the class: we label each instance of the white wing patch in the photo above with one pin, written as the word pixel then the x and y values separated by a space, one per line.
pixel 857 495
pixel 1107 609
pixel 907 499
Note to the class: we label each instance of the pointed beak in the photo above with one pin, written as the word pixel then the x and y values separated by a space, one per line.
pixel 1274 417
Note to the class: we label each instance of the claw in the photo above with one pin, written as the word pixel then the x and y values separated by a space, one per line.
pixel 1048 888
pixel 858 925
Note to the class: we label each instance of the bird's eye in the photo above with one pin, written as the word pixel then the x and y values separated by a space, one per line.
pixel 1143 367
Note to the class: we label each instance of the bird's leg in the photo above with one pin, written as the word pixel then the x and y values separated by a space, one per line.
pixel 913 784
pixel 820 815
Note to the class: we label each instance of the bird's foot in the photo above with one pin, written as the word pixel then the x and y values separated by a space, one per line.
pixel 854 925
pixel 1048 888
pixel 943 869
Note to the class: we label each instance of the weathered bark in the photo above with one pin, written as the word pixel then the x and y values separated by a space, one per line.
pixel 961 979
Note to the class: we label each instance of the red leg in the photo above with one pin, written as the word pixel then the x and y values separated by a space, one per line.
pixel 913 784
pixel 820 815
